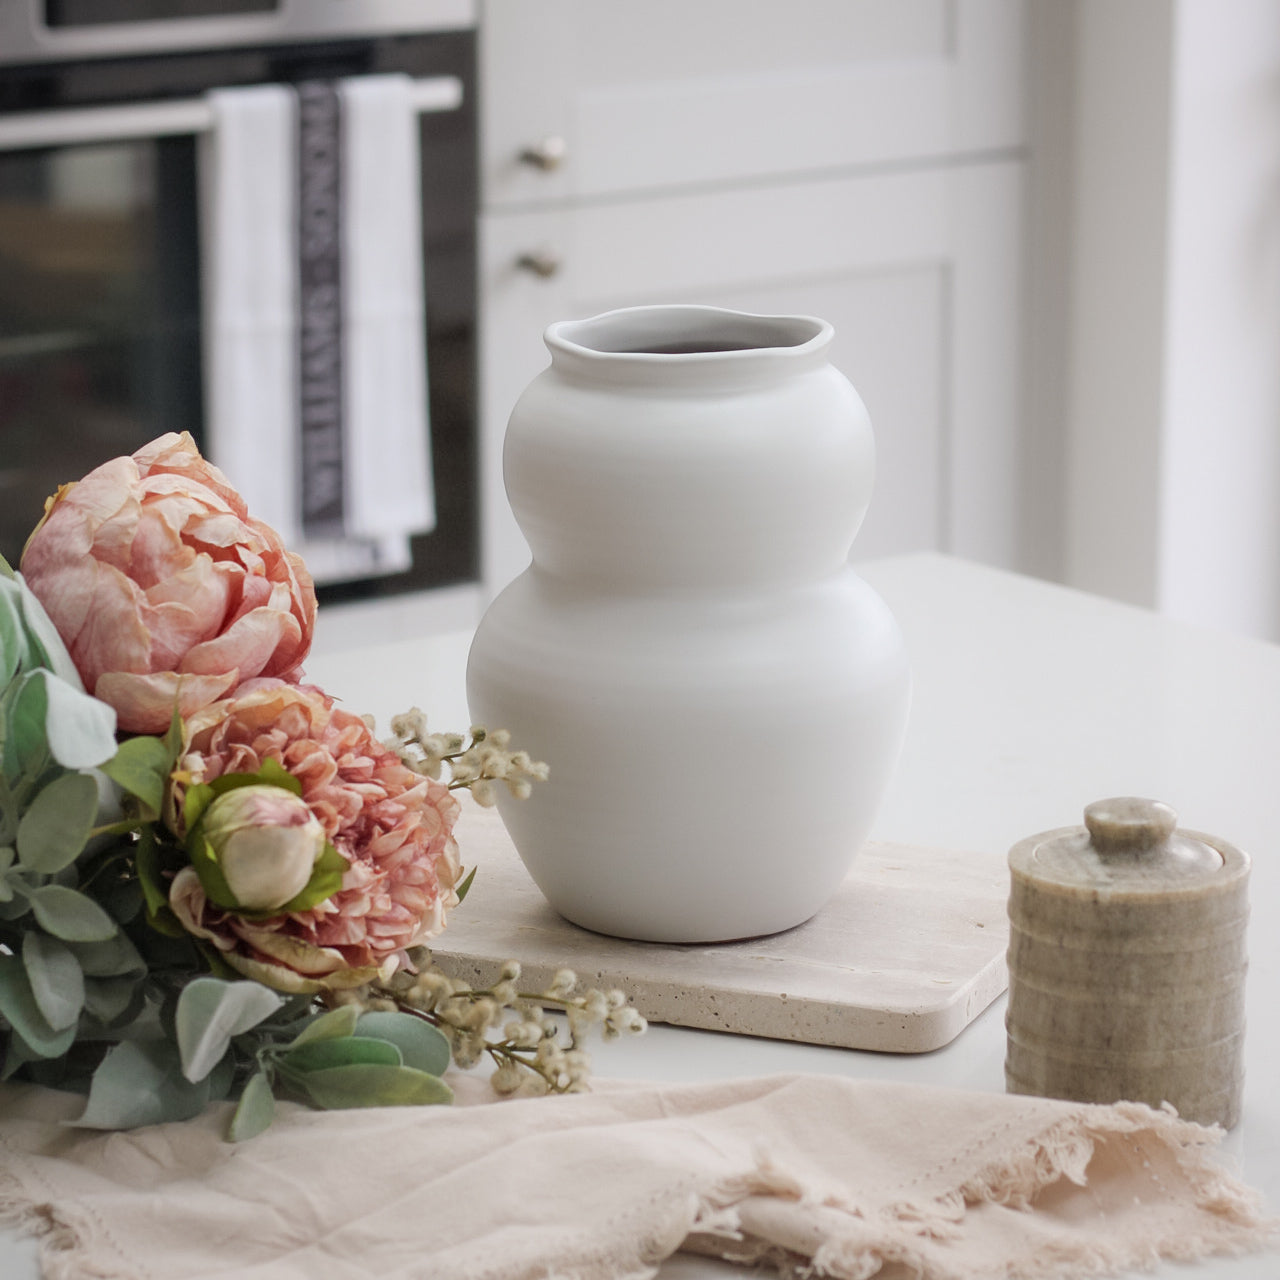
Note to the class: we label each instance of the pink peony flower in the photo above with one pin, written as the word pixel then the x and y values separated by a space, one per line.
pixel 163 587
pixel 394 827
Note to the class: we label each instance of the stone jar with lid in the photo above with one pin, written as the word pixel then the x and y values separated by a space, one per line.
pixel 1127 963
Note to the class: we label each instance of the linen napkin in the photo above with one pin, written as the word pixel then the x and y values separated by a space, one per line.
pixel 815 1175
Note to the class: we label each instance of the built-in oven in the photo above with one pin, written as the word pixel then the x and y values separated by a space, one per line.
pixel 253 220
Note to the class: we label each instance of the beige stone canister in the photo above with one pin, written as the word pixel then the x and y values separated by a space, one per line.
pixel 1127 962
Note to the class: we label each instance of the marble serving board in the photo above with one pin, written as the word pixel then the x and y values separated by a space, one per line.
pixel 908 952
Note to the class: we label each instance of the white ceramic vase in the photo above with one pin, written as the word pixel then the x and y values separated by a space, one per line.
pixel 720 698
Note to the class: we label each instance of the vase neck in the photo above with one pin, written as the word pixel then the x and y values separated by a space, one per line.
pixel 687 346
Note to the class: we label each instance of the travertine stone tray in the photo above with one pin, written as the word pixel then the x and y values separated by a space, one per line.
pixel 909 951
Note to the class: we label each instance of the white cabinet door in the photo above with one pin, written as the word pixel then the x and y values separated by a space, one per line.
pixel 648 95
pixel 918 271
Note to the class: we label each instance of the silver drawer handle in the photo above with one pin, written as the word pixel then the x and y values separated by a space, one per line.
pixel 539 262
pixel 546 155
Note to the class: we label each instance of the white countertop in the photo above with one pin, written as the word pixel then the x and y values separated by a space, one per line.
pixel 1030 701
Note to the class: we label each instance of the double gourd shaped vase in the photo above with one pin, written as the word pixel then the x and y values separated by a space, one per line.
pixel 720 698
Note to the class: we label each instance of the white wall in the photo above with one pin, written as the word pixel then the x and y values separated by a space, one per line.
pixel 1171 448
pixel 1220 469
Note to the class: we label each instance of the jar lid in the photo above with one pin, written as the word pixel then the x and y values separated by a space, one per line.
pixel 1128 845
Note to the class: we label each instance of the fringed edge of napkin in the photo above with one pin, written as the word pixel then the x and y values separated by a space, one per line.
pixel 771 1217
pixel 59 1240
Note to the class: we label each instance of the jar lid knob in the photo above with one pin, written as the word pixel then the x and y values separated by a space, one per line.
pixel 1127 824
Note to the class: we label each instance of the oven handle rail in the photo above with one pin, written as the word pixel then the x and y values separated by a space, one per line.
pixel 81 125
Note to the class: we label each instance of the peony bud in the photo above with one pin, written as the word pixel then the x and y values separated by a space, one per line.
pixel 266 841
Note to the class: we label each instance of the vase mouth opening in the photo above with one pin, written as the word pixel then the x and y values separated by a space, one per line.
pixel 687 334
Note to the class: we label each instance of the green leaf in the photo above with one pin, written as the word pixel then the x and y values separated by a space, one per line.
pixel 421 1045
pixel 337 1022
pixel 465 887
pixel 342 1051
pixel 277 775
pixel 256 1111
pixel 372 1085
pixel 55 828
pixel 69 915
pixel 211 1011
pixel 81 731
pixel 198 798
pixel 142 766
pixel 326 880
pixel 212 880
pixel 19 1008
pixel 173 734
pixel 57 982
pixel 147 862
pixel 110 959
pixel 140 1083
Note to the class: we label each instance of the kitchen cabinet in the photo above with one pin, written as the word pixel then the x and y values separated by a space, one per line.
pixel 861 160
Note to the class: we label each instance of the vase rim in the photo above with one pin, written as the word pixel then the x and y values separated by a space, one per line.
pixel 684 335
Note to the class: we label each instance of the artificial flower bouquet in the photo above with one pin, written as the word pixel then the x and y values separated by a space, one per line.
pixel 214 880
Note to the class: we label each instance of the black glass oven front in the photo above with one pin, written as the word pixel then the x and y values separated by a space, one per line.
pixel 100 306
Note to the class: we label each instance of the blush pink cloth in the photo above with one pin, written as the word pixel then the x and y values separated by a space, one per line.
pixel 838 1176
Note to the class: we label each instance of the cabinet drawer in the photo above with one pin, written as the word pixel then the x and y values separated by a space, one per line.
pixel 653 94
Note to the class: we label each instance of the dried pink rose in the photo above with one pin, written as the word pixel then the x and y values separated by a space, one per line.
pixel 393 826
pixel 163 587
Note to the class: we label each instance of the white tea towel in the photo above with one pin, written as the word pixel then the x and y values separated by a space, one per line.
pixel 389 489
pixel 249 253
pixel 257 211
pixel 812 1175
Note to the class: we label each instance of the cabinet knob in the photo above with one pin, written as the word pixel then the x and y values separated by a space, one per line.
pixel 539 262
pixel 547 154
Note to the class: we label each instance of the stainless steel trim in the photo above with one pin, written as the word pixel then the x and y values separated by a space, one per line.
pixel 24 37
pixel 81 125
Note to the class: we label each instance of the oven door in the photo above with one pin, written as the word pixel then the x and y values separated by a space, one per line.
pixel 103 341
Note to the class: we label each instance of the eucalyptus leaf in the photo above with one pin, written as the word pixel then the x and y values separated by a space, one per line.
pixel 19 1008
pixel 69 915
pixel 13 640
pixel 140 1082
pixel 56 825
pixel 211 1011
pixel 113 1001
pixel 342 1051
pixel 45 638
pixel 17 1054
pixel 26 750
pixel 142 766
pixel 256 1111
pixel 337 1022
pixel 57 982
pixel 80 729
pixel 372 1085
pixel 421 1045
pixel 110 959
